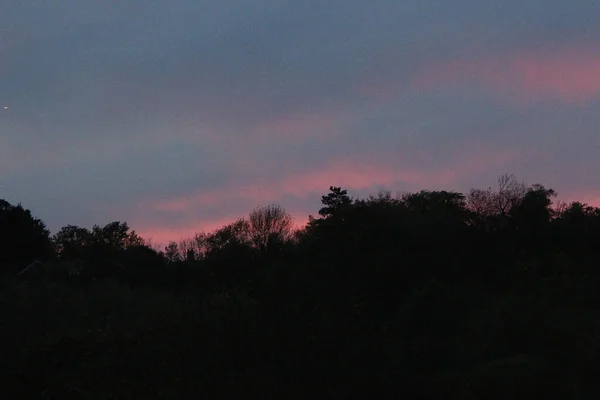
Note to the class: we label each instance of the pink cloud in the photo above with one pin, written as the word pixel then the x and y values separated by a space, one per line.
pixel 571 75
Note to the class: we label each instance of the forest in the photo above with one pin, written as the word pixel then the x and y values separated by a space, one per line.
pixel 490 294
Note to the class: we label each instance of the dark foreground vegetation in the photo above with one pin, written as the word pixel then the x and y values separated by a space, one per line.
pixel 429 295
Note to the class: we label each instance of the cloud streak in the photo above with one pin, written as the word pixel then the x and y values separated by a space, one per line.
pixel 570 75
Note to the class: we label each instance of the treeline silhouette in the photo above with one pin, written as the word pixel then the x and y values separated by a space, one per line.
pixel 430 295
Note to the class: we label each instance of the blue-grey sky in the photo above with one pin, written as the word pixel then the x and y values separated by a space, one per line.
pixel 178 116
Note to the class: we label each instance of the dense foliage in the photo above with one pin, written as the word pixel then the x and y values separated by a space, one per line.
pixel 431 295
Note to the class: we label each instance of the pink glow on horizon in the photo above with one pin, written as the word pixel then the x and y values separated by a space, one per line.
pixel 351 175
pixel 570 75
pixel 590 198
pixel 161 235
pixel 346 173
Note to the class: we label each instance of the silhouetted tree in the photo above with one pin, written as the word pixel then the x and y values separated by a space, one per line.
pixel 578 217
pixel 335 201
pixel 101 249
pixel 194 245
pixel 23 238
pixel 231 238
pixel 577 226
pixel 437 203
pixel 116 235
pixel 531 218
pixel 430 295
pixel 436 213
pixel 481 202
pixel 492 207
pixel 269 225
pixel 172 252
pixel 534 209
pixel 72 241
pixel 142 258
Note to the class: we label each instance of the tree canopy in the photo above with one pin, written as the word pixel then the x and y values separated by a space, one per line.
pixel 432 294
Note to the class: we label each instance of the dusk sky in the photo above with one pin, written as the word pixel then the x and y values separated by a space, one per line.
pixel 181 116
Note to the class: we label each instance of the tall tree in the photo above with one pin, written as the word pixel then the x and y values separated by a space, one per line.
pixel 269 225
pixel 336 200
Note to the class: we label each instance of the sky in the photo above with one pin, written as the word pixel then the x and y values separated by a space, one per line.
pixel 181 116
